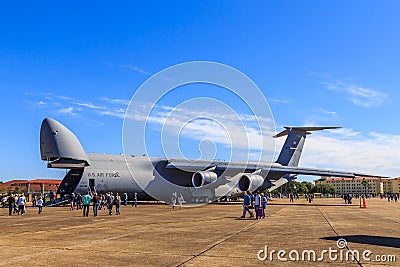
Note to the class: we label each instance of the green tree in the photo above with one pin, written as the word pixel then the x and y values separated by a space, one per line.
pixel 308 186
pixel 17 190
pixel 323 188
pixel 366 186
pixel 3 189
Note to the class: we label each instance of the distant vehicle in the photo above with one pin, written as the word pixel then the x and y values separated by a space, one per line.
pixel 205 181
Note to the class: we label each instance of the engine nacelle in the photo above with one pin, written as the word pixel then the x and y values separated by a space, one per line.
pixel 250 182
pixel 201 178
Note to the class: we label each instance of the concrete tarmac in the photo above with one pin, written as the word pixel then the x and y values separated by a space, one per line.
pixel 211 235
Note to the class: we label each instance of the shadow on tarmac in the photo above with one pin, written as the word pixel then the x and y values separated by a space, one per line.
pixel 309 204
pixel 385 241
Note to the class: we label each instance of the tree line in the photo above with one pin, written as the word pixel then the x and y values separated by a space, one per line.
pixel 304 188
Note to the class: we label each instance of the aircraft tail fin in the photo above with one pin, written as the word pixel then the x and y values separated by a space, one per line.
pixel 293 147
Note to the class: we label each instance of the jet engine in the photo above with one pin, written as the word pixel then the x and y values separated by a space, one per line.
pixel 250 182
pixel 201 178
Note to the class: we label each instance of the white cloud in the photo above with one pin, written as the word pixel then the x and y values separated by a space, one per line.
pixel 123 102
pixel 348 150
pixel 67 111
pixel 340 149
pixel 69 105
pixel 131 67
pixel 89 105
pixel 360 96
pixel 119 113
pixel 327 112
pixel 65 98
pixel 41 103
pixel 282 100
pixel 232 131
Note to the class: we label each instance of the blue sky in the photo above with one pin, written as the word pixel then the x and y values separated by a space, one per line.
pixel 317 63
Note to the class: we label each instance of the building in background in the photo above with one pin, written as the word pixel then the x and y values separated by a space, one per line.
pixel 391 185
pixel 361 185
pixel 38 186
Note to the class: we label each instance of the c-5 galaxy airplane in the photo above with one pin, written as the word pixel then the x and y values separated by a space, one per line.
pixel 158 178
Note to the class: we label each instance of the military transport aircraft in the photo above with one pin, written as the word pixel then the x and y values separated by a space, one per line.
pixel 158 178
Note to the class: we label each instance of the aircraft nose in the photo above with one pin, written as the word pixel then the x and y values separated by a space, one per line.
pixel 57 142
pixel 48 146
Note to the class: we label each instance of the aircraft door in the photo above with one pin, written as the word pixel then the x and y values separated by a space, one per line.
pixel 92 188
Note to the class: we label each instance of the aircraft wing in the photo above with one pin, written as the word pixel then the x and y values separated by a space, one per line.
pixel 320 172
pixel 202 165
pixel 283 174
pixel 310 171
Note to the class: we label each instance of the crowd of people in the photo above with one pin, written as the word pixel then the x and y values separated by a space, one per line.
pixel 16 203
pixel 257 201
pixel 100 201
pixel 392 197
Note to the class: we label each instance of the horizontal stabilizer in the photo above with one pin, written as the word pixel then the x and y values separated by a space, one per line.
pixel 306 129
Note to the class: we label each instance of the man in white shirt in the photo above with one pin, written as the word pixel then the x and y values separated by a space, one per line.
pixel 21 204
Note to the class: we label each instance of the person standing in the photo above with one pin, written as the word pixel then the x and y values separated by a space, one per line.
pixel 291 196
pixel 117 204
pixel 86 203
pixel 102 202
pixel 16 197
pixel 51 195
pixel 34 201
pixel 264 201
pixel 173 199
pixel 40 204
pixel 72 201
pixel 110 202
pixel 96 202
pixel 181 200
pixel 125 199
pixel 78 201
pixel 349 199
pixel 246 205
pixel 11 203
pixel 21 204
pixel 257 206
pixel 135 200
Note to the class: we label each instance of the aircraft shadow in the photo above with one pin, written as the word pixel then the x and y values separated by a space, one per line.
pixel 385 241
pixel 309 204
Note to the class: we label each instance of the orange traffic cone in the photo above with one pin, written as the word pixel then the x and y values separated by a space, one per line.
pixel 365 202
